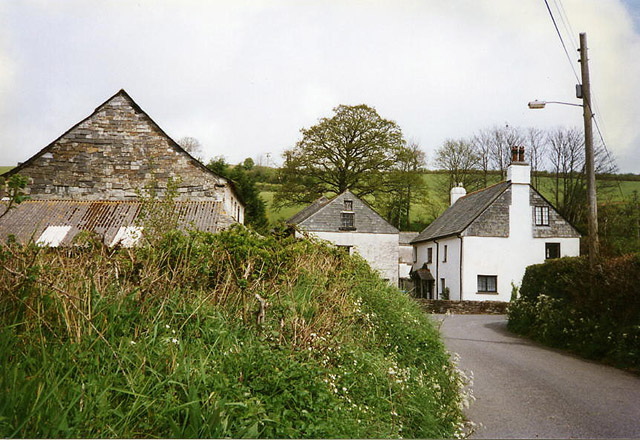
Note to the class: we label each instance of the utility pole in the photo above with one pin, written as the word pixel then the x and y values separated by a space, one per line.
pixel 592 218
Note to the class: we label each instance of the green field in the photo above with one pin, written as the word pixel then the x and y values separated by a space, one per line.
pixel 5 169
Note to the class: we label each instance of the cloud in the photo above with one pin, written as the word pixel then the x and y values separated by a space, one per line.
pixel 245 76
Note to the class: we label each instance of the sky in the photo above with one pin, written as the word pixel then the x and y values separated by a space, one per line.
pixel 244 77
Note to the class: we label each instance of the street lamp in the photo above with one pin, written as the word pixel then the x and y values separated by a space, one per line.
pixel 540 104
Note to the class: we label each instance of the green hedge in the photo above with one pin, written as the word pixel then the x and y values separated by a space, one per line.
pixel 596 314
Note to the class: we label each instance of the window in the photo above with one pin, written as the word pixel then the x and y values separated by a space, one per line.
pixel 348 205
pixel 348 222
pixel 542 215
pixel 444 254
pixel 430 255
pixel 443 285
pixel 487 284
pixel 552 250
pixel 415 254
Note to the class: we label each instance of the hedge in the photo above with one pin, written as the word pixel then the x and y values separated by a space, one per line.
pixel 595 313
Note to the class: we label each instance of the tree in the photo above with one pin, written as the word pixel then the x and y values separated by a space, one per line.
pixel 191 145
pixel 461 162
pixel 566 156
pixel 219 166
pixel 405 185
pixel 351 150
pixel 13 190
pixel 483 145
pixel 536 145
pixel 255 208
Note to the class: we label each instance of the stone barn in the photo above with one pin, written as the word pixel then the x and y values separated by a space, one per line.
pixel 108 160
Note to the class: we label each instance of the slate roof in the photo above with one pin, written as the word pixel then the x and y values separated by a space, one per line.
pixel 308 211
pixel 325 216
pixel 406 237
pixel 462 213
pixel 30 219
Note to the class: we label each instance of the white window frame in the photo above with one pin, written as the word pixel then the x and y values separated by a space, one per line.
pixel 541 215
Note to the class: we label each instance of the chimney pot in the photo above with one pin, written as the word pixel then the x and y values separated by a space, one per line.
pixel 514 154
pixel 521 154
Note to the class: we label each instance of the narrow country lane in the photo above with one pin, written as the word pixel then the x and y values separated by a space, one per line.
pixel 524 390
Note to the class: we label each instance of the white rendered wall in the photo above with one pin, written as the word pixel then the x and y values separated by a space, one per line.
pixel 507 259
pixel 232 205
pixel 380 250
pixel 449 270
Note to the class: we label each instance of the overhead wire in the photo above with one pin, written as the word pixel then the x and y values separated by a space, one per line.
pixel 564 18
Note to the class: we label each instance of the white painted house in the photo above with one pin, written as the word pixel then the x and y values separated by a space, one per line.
pixel 351 224
pixel 485 240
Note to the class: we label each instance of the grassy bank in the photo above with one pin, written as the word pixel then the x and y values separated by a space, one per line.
pixel 171 340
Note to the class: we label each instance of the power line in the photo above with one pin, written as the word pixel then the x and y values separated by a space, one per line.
pixel 567 25
pixel 564 46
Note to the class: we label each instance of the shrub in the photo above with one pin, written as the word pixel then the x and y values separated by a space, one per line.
pixel 226 335
pixel 596 314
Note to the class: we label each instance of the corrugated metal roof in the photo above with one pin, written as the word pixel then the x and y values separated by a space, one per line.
pixel 32 218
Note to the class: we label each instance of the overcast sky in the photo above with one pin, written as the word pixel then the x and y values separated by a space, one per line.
pixel 244 76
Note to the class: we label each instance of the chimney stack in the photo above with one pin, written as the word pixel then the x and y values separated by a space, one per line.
pixel 519 171
pixel 457 192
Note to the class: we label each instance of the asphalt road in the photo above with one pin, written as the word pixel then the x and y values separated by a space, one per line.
pixel 525 390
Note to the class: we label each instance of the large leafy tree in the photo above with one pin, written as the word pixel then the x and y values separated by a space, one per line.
pixel 354 149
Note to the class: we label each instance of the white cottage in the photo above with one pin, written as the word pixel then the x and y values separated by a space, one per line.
pixel 485 240
pixel 354 226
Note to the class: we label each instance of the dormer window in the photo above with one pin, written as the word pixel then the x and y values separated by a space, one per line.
pixel 542 215
pixel 348 205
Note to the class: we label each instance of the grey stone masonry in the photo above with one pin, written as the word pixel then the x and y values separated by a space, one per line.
pixel 493 221
pixel 112 155
pixel 558 226
pixel 440 306
pixel 328 218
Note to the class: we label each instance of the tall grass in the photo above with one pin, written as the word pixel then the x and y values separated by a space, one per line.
pixel 227 335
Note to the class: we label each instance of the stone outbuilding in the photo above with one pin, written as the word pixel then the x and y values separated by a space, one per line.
pixel 352 225
pixel 115 155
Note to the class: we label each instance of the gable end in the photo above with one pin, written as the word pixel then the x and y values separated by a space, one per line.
pixel 558 226
pixel 329 217
pixel 114 153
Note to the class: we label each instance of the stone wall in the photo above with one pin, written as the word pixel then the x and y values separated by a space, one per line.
pixel 113 154
pixel 463 307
